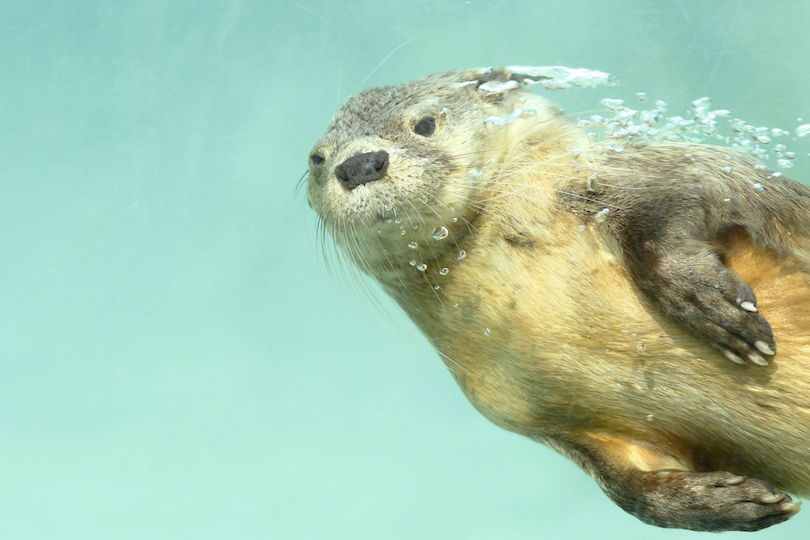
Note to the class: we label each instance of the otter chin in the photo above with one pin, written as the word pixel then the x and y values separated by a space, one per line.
pixel 642 308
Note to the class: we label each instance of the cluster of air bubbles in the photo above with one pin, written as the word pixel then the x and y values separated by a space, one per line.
pixel 701 123
pixel 439 233
pixel 560 77
pixel 549 77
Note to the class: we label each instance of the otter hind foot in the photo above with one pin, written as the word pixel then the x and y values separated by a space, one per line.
pixel 699 292
pixel 715 501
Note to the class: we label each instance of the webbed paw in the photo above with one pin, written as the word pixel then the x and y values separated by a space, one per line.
pixel 715 501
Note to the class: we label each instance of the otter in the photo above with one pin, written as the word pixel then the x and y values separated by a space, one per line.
pixel 642 308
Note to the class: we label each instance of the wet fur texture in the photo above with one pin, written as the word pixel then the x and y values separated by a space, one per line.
pixel 606 336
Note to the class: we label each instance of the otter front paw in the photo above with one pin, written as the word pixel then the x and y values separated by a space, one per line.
pixel 729 321
pixel 712 302
pixel 716 501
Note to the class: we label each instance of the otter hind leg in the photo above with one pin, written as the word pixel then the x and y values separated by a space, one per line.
pixel 688 282
pixel 661 490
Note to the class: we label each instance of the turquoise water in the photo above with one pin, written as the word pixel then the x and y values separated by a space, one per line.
pixel 175 362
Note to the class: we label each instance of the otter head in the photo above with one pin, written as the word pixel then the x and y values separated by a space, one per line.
pixel 401 172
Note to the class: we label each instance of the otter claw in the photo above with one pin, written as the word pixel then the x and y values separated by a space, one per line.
pixel 763 347
pixel 770 498
pixel 748 306
pixel 733 357
pixel 790 507
pixel 757 359
pixel 735 480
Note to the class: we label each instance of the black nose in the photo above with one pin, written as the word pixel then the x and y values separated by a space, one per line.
pixel 362 169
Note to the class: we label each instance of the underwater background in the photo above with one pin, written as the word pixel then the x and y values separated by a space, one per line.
pixel 175 360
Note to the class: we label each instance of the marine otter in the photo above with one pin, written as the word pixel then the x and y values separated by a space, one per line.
pixel 622 304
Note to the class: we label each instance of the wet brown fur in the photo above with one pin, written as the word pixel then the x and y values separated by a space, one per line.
pixel 541 324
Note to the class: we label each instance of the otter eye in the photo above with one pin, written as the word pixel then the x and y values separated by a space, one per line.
pixel 316 159
pixel 425 127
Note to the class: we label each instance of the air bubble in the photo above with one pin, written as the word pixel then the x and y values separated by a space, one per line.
pixel 440 233
pixel 763 139
pixel 803 130
pixel 422 267
pixel 641 96
pixel 726 169
pixel 486 331
pixel 650 418
pixel 759 187
pixel 612 104
pixel 591 183
pixel 461 255
pixel 475 173
pixel 784 163
pixel 413 245
pixel 497 86
pixel 601 215
pixel 702 103
pixel 492 121
pixel 444 271
pixel 640 348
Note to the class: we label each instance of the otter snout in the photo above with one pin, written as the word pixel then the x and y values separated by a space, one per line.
pixel 362 169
